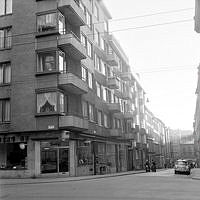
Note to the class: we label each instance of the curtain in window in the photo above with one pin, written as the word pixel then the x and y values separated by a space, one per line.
pixel 8 6
pixel 1 74
pixel 7 73
pixel 1 111
pixel 7 111
pixel 2 7
pixel 47 102
pixel 8 38
pixel 2 39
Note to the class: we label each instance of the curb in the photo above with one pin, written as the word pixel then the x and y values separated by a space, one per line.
pixel 58 180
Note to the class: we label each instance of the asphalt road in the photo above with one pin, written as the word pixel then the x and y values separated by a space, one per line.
pixel 162 185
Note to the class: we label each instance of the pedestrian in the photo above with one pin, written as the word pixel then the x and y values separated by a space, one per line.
pixel 147 166
pixel 153 166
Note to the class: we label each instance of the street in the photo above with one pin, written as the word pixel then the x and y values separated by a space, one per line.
pixel 163 185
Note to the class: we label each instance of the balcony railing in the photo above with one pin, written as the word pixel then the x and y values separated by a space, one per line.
pixel 72 11
pixel 72 83
pixel 70 43
pixel 73 123
pixel 113 83
pixel 115 133
pixel 114 107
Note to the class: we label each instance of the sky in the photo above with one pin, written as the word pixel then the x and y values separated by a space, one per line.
pixel 166 56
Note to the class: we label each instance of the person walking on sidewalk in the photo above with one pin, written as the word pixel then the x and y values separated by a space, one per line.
pixel 153 166
pixel 147 166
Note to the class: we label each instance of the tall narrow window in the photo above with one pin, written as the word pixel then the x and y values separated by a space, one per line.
pixel 62 61
pixel 99 117
pixel 96 11
pixel 84 40
pixel 84 73
pixel 62 101
pixel 47 62
pixel 98 89
pixel 91 112
pixel 85 109
pixel 89 19
pixel 5 73
pixel 90 80
pixel 61 24
pixel 5 38
pixel 4 110
pixel 105 116
pixel 89 49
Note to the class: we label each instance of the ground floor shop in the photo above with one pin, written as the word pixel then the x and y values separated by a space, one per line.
pixel 52 154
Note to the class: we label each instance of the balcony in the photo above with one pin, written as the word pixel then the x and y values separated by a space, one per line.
pixel 72 45
pixel 113 83
pixel 129 136
pixel 72 83
pixel 73 123
pixel 126 76
pixel 129 115
pixel 115 133
pixel 72 11
pixel 126 95
pixel 114 107
pixel 112 59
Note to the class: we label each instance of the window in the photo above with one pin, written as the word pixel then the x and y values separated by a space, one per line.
pixel 61 23
pixel 91 112
pixel 97 62
pixel 98 89
pixel 5 38
pixel 84 73
pixel 99 117
pixel 102 43
pixel 104 93
pixel 89 49
pixel 84 40
pixel 47 102
pixel 5 7
pixel 47 61
pixel 96 36
pixel 105 116
pixel 4 110
pixel 47 22
pixel 90 80
pixel 62 100
pixel 61 61
pixel 103 67
pixel 5 73
pixel 89 19
pixel 82 6
pixel 85 109
pixel 96 11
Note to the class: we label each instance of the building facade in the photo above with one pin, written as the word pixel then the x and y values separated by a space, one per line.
pixel 69 103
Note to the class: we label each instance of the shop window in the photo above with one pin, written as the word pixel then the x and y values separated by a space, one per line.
pixel 5 38
pixel 5 73
pixel 4 110
pixel 84 154
pixel 16 156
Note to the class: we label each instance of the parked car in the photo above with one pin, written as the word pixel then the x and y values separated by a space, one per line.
pixel 182 166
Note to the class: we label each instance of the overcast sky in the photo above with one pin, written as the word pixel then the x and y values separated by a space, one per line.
pixel 166 56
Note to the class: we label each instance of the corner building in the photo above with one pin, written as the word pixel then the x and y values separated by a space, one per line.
pixel 66 105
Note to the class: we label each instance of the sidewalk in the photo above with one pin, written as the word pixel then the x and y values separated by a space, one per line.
pixel 64 179
pixel 195 173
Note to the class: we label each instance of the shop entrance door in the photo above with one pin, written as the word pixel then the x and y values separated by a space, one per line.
pixel 63 160
pixel 55 159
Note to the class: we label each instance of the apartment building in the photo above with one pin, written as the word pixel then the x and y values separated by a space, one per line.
pixel 69 103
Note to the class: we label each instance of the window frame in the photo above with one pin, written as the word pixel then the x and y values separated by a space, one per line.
pixel 59 107
pixel 4 65
pixel 7 38
pixel 3 112
pixel 5 9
